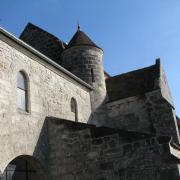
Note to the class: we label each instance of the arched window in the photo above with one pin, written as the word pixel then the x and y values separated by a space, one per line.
pixel 22 88
pixel 74 108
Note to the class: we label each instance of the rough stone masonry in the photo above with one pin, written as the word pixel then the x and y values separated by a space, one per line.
pixel 78 122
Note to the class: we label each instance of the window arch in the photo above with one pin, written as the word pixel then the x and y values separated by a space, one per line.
pixel 22 89
pixel 74 108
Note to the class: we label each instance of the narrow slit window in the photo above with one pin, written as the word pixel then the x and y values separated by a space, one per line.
pixel 22 91
pixel 92 75
pixel 74 108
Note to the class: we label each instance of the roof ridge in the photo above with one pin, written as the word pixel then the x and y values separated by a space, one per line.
pixel 29 24
pixel 133 71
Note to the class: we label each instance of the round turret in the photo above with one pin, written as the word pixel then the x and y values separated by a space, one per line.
pixel 83 58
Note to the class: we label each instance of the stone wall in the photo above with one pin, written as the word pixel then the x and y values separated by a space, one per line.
pixel 83 154
pixel 148 113
pixel 130 114
pixel 50 95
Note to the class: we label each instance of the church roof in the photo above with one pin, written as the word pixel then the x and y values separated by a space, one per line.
pixel 43 41
pixel 80 38
pixel 133 83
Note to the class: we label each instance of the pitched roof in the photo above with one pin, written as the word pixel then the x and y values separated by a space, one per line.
pixel 80 38
pixel 133 83
pixel 43 41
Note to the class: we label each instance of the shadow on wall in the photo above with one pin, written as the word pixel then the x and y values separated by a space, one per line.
pixel 42 148
pixel 76 146
pixel 28 167
pixel 106 151
pixel 99 117
pixel 1 175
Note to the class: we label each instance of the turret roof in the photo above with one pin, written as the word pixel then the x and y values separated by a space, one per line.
pixel 80 38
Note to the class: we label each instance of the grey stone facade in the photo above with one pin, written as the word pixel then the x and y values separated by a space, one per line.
pixel 126 129
pixel 50 95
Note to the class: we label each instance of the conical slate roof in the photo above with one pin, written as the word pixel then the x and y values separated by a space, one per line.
pixel 80 38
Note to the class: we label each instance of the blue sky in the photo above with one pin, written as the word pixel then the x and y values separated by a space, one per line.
pixel 132 33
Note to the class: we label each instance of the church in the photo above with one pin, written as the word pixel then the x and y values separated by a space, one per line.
pixel 63 117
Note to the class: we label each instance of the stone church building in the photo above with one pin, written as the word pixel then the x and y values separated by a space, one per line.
pixel 62 117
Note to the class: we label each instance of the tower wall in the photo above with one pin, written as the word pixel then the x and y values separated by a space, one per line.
pixel 86 63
